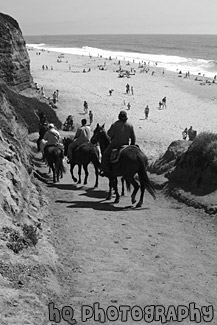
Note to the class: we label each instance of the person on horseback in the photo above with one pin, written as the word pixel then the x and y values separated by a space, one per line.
pixel 82 135
pixel 52 137
pixel 42 130
pixel 120 133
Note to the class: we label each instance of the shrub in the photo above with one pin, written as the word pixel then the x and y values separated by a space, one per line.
pixel 205 145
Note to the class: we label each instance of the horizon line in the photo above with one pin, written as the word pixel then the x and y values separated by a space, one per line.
pixel 82 34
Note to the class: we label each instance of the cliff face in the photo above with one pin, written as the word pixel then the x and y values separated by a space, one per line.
pixel 14 58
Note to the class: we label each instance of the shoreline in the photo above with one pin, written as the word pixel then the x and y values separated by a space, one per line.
pixel 187 99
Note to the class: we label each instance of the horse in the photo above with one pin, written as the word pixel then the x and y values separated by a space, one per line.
pixel 132 161
pixel 54 158
pixel 82 156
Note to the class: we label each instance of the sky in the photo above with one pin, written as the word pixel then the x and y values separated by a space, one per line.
pixel 56 17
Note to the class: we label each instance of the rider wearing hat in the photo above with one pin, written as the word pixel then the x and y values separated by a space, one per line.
pixel 120 133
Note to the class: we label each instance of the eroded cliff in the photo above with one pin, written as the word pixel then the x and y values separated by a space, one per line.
pixel 14 58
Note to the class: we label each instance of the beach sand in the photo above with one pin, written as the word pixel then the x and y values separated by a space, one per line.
pixel 188 102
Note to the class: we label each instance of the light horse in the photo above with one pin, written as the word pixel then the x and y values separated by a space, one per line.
pixel 82 156
pixel 132 161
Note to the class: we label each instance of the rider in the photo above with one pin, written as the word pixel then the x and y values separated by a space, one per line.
pixel 82 135
pixel 120 133
pixel 43 129
pixel 52 137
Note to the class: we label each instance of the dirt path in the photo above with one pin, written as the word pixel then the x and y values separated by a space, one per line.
pixel 114 254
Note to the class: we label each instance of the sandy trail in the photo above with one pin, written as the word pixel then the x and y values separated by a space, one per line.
pixel 114 254
pixel 162 254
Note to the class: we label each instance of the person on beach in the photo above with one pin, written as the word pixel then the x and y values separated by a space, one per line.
pixel 131 90
pixel 127 88
pixel 91 117
pixel 54 97
pixel 128 106
pixel 82 135
pixel 120 133
pixel 85 107
pixel 110 91
pixel 185 133
pixel 146 112
pixel 160 104
pixel 164 102
pixel 191 134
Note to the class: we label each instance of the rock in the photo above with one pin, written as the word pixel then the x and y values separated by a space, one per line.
pixel 14 58
pixel 168 160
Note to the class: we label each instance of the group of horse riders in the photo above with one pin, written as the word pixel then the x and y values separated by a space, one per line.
pixel 120 133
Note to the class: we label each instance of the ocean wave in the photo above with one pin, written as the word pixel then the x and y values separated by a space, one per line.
pixel 167 62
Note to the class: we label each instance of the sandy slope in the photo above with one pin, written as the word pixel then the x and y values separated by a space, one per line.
pixel 161 254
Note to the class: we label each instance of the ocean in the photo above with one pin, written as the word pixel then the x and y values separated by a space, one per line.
pixel 193 53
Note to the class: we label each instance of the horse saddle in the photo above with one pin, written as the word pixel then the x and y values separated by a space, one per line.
pixel 116 153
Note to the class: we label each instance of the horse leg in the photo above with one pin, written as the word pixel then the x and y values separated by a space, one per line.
pixel 54 172
pixel 79 174
pixel 97 175
pixel 109 196
pixel 57 168
pixel 117 198
pixel 122 186
pixel 71 171
pixel 86 174
pixel 136 188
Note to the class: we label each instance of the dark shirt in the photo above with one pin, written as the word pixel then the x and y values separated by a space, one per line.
pixel 120 133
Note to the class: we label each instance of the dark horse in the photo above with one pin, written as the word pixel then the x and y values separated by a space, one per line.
pixel 132 161
pixel 54 157
pixel 82 156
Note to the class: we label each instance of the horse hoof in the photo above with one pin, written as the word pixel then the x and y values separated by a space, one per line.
pixel 133 201
pixel 139 204
pixel 79 182
pixel 117 200
pixel 96 185
pixel 74 179
pixel 109 197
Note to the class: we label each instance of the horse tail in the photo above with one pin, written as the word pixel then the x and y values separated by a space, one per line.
pixel 143 175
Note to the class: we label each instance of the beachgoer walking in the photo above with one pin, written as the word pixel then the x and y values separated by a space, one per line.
pixel 85 107
pixel 164 102
pixel 127 88
pixel 160 104
pixel 128 106
pixel 185 133
pixel 54 97
pixel 91 117
pixel 110 91
pixel 132 90
pixel 146 111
